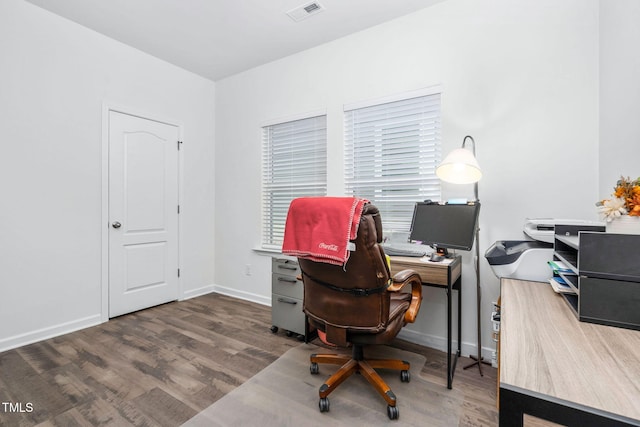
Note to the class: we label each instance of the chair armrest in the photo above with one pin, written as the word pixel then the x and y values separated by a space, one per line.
pixel 402 279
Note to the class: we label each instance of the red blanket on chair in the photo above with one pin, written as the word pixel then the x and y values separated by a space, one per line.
pixel 319 228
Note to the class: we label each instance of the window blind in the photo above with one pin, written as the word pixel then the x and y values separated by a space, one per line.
pixel 391 152
pixel 294 164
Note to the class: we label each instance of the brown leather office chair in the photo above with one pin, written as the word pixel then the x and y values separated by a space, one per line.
pixel 358 304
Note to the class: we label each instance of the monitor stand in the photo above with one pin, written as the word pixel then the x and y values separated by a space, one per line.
pixel 442 251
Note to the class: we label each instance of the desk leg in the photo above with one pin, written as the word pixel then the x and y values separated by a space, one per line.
pixel 451 367
pixel 511 410
pixel 459 281
pixel 449 370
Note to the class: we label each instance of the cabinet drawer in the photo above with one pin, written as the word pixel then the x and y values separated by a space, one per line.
pixel 285 266
pixel 286 313
pixel 610 302
pixel 610 256
pixel 287 285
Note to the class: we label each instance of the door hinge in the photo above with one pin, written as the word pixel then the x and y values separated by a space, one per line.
pixel 179 143
pixel 178 272
pixel 178 208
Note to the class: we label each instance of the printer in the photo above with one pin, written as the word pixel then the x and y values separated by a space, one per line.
pixel 527 259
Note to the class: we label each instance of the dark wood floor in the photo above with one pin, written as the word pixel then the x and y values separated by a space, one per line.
pixel 163 365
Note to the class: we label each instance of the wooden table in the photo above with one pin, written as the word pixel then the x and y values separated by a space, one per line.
pixel 445 275
pixel 554 367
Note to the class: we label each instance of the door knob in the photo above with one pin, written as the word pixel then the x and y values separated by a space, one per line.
pixel 116 225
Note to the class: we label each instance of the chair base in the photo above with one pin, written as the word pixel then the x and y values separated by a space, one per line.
pixel 366 367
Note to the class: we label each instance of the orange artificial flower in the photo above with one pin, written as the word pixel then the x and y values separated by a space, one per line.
pixel 625 201
pixel 634 201
pixel 629 191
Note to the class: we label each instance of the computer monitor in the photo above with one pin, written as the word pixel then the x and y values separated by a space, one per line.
pixel 449 226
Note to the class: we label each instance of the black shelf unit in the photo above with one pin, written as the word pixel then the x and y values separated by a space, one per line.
pixel 605 274
pixel 566 246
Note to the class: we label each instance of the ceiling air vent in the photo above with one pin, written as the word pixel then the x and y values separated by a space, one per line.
pixel 306 10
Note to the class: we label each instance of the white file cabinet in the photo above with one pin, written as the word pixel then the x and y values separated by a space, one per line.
pixel 287 293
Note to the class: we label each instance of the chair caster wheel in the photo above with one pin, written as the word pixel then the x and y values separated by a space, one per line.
pixel 393 412
pixel 323 404
pixel 289 334
pixel 314 369
pixel 405 376
pixel 274 329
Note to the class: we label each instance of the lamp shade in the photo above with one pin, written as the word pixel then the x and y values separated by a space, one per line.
pixel 459 167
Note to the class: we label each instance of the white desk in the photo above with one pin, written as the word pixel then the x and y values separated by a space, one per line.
pixel 554 367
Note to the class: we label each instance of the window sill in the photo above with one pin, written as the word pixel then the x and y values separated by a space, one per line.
pixel 268 252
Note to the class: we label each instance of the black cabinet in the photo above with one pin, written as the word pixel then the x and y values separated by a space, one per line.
pixel 609 266
pixel 605 274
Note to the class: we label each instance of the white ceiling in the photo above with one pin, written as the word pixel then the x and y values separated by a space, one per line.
pixel 219 38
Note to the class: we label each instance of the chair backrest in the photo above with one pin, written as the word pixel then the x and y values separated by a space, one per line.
pixel 352 297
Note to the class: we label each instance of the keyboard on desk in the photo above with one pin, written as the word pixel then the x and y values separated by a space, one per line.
pixel 403 251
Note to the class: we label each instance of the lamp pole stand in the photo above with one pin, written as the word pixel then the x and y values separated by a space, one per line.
pixel 460 167
pixel 478 360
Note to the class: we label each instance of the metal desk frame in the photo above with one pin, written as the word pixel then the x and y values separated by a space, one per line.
pixel 453 283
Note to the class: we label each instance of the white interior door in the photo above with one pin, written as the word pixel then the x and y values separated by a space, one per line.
pixel 143 213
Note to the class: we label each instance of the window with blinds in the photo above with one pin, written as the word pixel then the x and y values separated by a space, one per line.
pixel 294 164
pixel 392 149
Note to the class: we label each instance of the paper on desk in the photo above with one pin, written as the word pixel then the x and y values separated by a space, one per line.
pixel 428 261
pixel 560 286
pixel 559 266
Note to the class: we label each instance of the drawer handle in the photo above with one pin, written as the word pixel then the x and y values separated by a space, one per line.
pixel 287 301
pixel 284 279
pixel 288 267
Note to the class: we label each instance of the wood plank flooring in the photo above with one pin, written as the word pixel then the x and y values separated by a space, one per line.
pixel 163 365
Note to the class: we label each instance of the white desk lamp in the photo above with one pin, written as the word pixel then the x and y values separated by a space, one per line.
pixel 461 167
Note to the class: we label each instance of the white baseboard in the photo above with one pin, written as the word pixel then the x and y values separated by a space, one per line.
pixel 198 292
pixel 432 341
pixel 247 296
pixel 440 343
pixel 49 332
pixel 75 325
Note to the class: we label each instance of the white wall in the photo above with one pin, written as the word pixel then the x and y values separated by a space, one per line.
pixel 521 77
pixel 55 76
pixel 619 92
